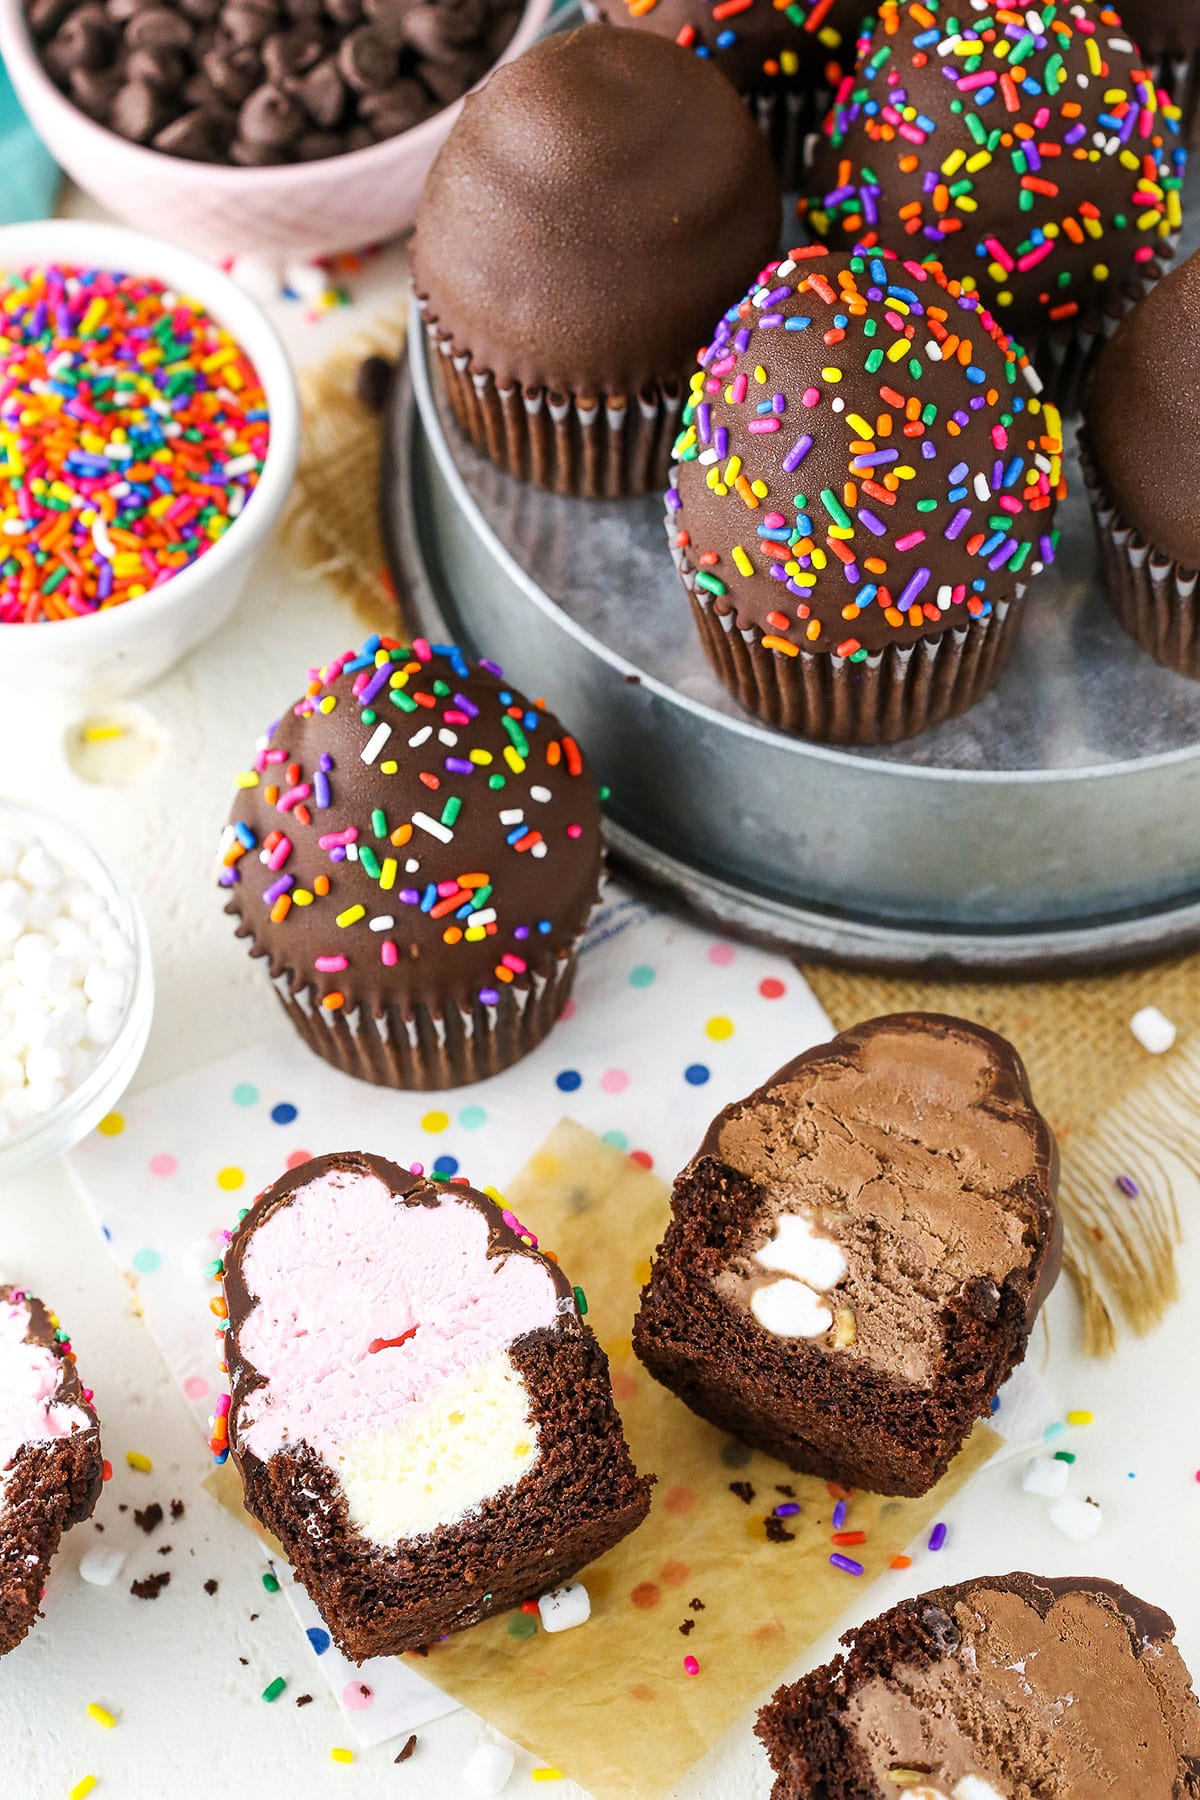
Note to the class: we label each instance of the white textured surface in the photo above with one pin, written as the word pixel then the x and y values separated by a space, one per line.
pixel 191 1723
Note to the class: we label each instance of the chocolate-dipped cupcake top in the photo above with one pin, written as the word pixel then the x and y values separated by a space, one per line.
pixel 1142 415
pixel 864 459
pixel 1027 150
pixel 758 44
pixel 596 205
pixel 412 830
pixel 1159 26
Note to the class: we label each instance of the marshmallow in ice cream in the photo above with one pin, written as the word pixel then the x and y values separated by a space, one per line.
pixel 373 1316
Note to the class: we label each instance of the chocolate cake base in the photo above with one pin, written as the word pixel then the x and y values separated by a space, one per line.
pixel 582 1497
pixel 48 1488
pixel 954 1695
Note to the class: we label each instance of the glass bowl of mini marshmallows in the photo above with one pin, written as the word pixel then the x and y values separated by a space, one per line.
pixel 76 988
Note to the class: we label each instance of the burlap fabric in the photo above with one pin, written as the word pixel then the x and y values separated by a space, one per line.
pixel 1117 1111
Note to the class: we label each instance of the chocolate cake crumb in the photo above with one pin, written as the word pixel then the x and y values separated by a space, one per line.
pixel 177 1509
pixel 149 1518
pixel 408 1749
pixel 303 1699
pixel 777 1531
pixel 743 1490
pixel 696 1605
pixel 688 1626
pixel 150 1586
pixel 245 1661
pixel 211 1586
pixel 781 1487
pixel 165 1549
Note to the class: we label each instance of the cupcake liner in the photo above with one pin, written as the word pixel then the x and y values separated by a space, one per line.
pixel 894 693
pixel 1154 596
pixel 788 119
pixel 593 448
pixel 424 1048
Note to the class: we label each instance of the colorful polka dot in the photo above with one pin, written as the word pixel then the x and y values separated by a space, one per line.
pixel 145 1261
pixel 231 1178
pixel 614 1081
pixel 617 1139
pixel 624 1385
pixel 642 976
pixel 357 1696
pixel 696 1074
pixel 163 1164
pixel 679 1500
pixel 244 1094
pixel 318 1638
pixel 567 1081
pixel 646 1595
pixel 284 1113
pixel 771 988
pixel 112 1125
pixel 719 1028
pixel 196 1387
pixel 642 1158
pixel 446 1165
pixel 673 1574
pixel 721 954
pixel 435 1121
pixel 472 1117
pixel 296 1157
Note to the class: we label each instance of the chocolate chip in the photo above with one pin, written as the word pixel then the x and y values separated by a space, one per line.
pixel 163 70
pixel 345 12
pixel 202 11
pixel 367 60
pixel 243 24
pixel 446 81
pixel 45 16
pixel 322 93
pixel 499 35
pixel 397 109
pixel 462 20
pixel 93 91
pixel 211 1586
pixel 425 32
pixel 255 156
pixel 88 40
pixel 190 135
pixel 121 10
pixel 235 76
pixel 158 28
pixel 291 52
pixel 270 118
pixel 408 1749
pixel 388 16
pixel 314 146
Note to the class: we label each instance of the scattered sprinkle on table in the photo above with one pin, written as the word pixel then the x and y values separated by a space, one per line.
pixel 340 1754
pixel 101 1715
pixel 846 1563
pixel 1080 1418
pixel 937 1536
pixel 139 1461
pixel 691 1666
pixel 409 1746
pixel 545 1774
pixel 83 1786
pixel 274 1688
pixel 271 1582
pixel 133 430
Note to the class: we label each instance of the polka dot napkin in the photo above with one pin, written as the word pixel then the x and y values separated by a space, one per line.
pixel 667 1025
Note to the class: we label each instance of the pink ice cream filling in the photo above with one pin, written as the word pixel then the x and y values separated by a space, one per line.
pixel 30 1375
pixel 367 1306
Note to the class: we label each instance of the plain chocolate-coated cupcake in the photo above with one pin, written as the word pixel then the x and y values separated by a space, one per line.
pixel 866 484
pixel 596 205
pixel 1035 161
pixel 415 851
pixel 786 61
pixel 1141 459
pixel 1168 33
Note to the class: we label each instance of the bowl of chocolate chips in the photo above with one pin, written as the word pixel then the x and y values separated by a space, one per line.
pixel 299 127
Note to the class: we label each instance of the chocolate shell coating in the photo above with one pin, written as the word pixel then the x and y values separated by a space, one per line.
pixel 474 821
pixel 1162 26
pixel 596 205
pixel 760 47
pixel 1026 182
pixel 1142 415
pixel 874 488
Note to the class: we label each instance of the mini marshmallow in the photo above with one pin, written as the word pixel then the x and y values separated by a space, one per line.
pixel 308 281
pixel 974 1787
pixel 791 1309
pixel 488 1769
pixel 1077 1519
pixel 100 1566
pixel 1047 1476
pixel 38 869
pixel 105 984
pixel 565 1607
pixel 1153 1030
pixel 103 1022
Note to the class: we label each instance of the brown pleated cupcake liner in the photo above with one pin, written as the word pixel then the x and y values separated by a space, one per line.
pixel 597 448
pixel 1154 596
pixel 788 119
pixel 422 1047
pixel 893 694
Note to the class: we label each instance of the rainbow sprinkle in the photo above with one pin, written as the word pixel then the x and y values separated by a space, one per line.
pixel 1026 147
pixel 133 430
pixel 784 38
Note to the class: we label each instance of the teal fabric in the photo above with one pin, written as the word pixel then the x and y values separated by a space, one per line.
pixel 29 176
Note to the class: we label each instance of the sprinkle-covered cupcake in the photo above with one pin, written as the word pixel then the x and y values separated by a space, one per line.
pixel 1142 466
pixel 787 61
pixel 1168 34
pixel 597 204
pixel 414 851
pixel 866 484
pixel 1027 152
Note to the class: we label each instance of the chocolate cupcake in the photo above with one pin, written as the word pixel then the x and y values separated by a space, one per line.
pixel 1167 32
pixel 415 851
pixel 1063 1689
pixel 787 62
pixel 596 205
pixel 1036 162
pixel 866 484
pixel 1143 472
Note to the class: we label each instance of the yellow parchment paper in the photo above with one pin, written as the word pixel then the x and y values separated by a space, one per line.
pixel 610 1704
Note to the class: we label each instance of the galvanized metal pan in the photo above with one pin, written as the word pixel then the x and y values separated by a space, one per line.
pixel 1056 826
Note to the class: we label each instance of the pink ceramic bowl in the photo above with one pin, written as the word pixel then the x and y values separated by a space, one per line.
pixel 299 209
